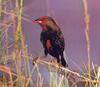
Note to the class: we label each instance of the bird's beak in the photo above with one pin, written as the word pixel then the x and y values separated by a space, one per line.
pixel 34 21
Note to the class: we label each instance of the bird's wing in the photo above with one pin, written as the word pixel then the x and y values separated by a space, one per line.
pixel 59 41
pixel 52 40
pixel 48 44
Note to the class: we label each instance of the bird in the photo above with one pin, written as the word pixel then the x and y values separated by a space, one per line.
pixel 52 39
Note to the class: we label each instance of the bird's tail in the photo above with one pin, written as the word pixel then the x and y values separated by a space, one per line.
pixel 65 57
pixel 63 60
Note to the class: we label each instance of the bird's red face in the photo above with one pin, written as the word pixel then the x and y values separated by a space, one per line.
pixel 42 20
pixel 46 22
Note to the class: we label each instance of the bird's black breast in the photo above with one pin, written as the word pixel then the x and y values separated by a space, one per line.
pixel 57 42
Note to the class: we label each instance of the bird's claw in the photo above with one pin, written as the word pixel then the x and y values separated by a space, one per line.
pixel 34 60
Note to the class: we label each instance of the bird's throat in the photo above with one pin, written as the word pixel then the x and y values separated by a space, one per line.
pixel 44 28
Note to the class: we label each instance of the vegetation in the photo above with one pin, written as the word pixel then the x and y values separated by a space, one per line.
pixel 15 70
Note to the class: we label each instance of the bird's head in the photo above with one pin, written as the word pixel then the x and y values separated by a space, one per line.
pixel 43 20
pixel 46 21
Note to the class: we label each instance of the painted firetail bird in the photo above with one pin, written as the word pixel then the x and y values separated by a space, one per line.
pixel 52 39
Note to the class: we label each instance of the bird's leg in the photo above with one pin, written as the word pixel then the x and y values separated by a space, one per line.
pixel 55 59
pixel 35 60
pixel 58 60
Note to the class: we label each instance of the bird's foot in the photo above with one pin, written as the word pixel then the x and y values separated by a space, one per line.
pixel 34 60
